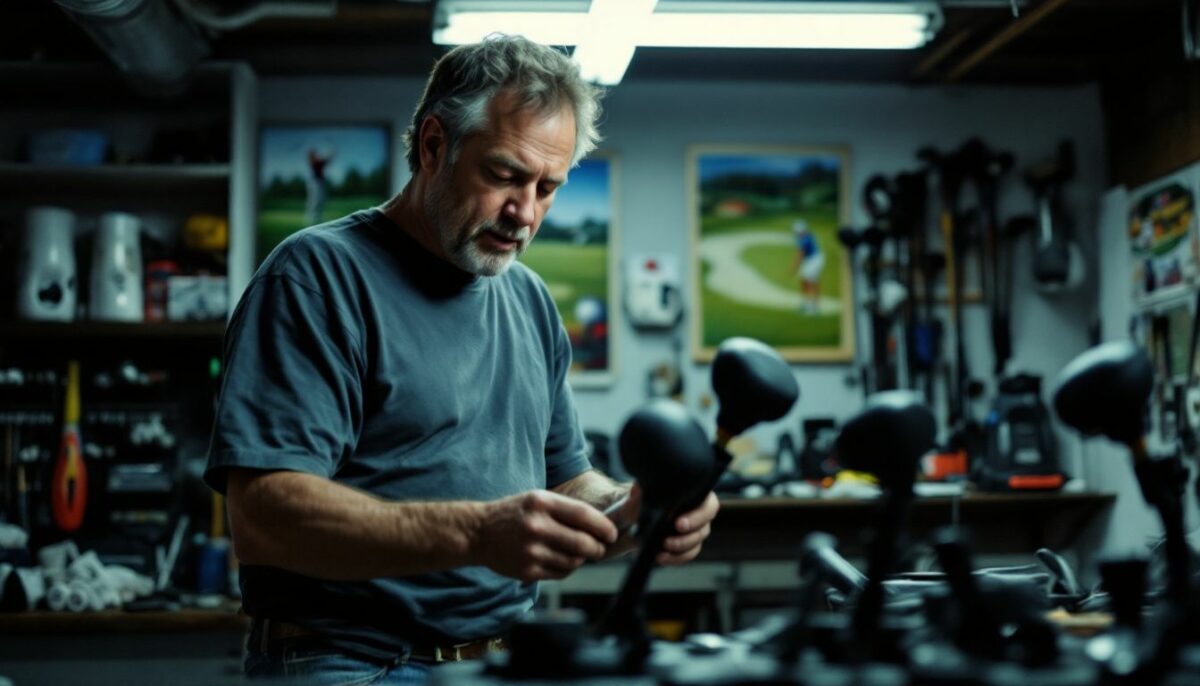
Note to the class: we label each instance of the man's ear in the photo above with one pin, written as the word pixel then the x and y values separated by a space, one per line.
pixel 432 144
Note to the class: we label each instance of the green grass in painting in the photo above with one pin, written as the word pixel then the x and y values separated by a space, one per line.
pixel 576 270
pixel 724 317
pixel 279 218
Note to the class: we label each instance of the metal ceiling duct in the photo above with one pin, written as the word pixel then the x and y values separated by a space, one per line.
pixel 148 40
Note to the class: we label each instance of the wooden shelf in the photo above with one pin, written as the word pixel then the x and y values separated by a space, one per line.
pixel 135 179
pixel 774 528
pixel 19 331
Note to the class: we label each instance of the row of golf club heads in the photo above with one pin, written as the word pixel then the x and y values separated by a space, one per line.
pixel 1104 391
pixel 668 452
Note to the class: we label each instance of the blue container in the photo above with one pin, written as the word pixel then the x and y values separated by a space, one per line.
pixel 75 147
pixel 212 566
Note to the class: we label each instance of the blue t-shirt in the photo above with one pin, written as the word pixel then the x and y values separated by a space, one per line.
pixel 357 355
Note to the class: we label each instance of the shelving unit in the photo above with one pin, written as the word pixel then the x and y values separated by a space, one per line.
pixel 91 331
pixel 129 180
pixel 220 103
pixel 166 160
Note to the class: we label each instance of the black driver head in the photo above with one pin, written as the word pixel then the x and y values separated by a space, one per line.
pixel 888 438
pixel 668 452
pixel 752 383
pixel 1105 391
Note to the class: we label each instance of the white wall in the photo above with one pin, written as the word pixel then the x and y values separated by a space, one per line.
pixel 650 125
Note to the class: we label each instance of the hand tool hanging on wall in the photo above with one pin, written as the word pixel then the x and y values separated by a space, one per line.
pixel 910 194
pixel 986 168
pixel 68 487
pixel 851 238
pixel 884 297
pixel 951 172
pixel 1057 262
pixel 925 336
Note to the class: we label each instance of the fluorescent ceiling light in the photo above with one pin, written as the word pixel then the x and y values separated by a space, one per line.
pixel 607 31
pixel 604 51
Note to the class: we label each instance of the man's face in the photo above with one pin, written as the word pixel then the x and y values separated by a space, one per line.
pixel 489 204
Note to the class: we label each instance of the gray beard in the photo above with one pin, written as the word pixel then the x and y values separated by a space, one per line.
pixel 461 247
pixel 465 253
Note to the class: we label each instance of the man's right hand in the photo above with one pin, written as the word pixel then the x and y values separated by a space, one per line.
pixel 542 535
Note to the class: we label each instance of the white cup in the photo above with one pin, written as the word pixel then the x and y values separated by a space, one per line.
pixel 47 290
pixel 116 281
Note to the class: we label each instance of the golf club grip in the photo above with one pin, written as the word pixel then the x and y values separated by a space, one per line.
pixel 621 616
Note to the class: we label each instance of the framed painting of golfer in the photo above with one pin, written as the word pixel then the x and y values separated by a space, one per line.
pixel 575 253
pixel 308 174
pixel 766 259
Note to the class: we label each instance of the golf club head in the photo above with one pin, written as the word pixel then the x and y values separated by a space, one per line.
pixel 668 452
pixel 849 237
pixel 752 383
pixel 888 438
pixel 1105 390
pixel 873 236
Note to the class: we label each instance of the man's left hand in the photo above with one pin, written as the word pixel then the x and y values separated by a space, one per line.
pixel 692 528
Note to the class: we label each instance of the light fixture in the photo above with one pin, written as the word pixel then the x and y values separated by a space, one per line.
pixel 607 31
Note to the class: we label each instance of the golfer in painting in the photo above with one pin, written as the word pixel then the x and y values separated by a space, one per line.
pixel 810 261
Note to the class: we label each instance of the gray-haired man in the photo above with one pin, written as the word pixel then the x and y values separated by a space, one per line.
pixel 395 433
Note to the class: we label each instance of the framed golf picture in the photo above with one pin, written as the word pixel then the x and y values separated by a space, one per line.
pixel 575 254
pixel 314 173
pixel 766 259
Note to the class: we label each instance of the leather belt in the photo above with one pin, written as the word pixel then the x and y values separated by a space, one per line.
pixel 471 650
pixel 275 630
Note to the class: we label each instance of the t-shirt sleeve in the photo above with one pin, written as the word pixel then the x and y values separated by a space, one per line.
pixel 291 394
pixel 566 448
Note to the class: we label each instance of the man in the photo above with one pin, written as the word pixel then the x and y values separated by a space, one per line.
pixel 810 261
pixel 395 434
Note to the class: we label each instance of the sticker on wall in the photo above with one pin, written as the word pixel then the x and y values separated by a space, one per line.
pixel 1163 239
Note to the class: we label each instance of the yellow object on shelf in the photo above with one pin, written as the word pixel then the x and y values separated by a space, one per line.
pixel 207 232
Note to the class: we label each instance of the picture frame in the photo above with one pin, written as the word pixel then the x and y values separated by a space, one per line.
pixel 575 252
pixel 1164 238
pixel 309 173
pixel 760 216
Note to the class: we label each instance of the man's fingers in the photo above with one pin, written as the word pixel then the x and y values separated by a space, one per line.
pixel 579 515
pixel 548 558
pixel 700 517
pixel 669 559
pixel 565 540
pixel 680 544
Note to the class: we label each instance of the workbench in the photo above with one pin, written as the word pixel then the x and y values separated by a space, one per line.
pixel 751 557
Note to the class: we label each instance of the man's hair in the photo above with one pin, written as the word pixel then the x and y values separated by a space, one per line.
pixel 465 80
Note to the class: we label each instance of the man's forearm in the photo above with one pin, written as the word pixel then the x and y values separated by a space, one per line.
pixel 313 526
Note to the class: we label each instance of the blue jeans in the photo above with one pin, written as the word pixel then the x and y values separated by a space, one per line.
pixel 304 661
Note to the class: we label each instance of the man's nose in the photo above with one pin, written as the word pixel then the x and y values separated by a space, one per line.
pixel 521 205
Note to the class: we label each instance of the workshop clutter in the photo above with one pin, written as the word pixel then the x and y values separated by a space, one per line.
pixel 66 580
pixel 92 454
pixel 936 244
pixel 1004 626
pixel 111 267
